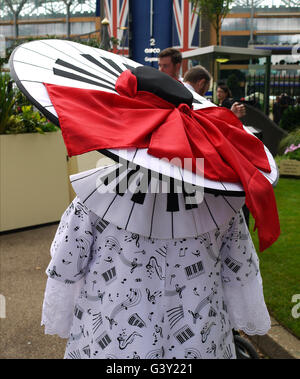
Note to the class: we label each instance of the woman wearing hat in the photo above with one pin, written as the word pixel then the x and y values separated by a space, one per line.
pixel 153 258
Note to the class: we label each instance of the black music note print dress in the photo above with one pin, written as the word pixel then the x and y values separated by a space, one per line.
pixel 115 293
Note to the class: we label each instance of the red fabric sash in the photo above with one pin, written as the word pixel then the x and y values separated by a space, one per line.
pixel 94 120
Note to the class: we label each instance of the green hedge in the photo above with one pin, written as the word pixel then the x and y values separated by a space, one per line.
pixel 17 115
pixel 290 119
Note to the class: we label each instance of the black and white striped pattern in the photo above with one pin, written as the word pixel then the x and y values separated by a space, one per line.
pixel 154 215
pixel 63 63
pixel 103 340
pixel 184 334
pixel 194 270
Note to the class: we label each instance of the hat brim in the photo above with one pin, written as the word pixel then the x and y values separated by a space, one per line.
pixel 67 63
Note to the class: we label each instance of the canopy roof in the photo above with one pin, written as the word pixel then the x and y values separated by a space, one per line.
pixel 232 53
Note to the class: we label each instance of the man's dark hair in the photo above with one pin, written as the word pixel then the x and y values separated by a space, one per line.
pixel 197 73
pixel 175 54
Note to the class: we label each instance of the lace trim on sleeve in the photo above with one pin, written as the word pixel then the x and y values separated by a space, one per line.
pixel 247 308
pixel 58 307
pixel 242 281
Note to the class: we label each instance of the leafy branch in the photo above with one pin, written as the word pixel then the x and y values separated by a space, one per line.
pixel 214 10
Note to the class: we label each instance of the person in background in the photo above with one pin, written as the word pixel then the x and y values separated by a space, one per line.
pixel 276 110
pixel 224 97
pixel 197 79
pixel 169 62
pixel 284 102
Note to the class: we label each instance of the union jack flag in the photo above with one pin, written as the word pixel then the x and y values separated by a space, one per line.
pixel 116 11
pixel 185 28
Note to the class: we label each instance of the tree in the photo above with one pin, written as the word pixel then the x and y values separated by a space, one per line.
pixel 291 3
pixel 214 10
pixel 15 7
pixel 68 4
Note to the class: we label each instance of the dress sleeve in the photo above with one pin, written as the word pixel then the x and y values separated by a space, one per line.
pixel 58 307
pixel 71 247
pixel 70 254
pixel 242 282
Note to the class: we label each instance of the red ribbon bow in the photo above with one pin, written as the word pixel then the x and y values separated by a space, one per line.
pixel 94 120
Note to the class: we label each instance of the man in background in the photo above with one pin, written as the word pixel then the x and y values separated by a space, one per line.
pixel 197 79
pixel 169 62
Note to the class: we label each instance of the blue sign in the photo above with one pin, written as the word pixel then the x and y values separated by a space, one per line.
pixel 145 27
pixel 150 29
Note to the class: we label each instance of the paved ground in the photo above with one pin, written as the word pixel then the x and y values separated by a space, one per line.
pixel 24 256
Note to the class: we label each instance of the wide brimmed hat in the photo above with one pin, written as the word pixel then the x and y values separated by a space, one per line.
pixel 135 114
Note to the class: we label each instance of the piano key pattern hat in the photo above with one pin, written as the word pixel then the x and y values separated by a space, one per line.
pixel 70 65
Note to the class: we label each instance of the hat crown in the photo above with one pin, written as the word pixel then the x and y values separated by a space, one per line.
pixel 160 84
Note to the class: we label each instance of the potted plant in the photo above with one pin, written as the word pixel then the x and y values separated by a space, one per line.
pixel 7 102
pixel 289 154
pixel 33 166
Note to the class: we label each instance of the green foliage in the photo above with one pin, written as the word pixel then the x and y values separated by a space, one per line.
pixel 20 100
pixel 290 119
pixel 17 114
pixel 294 154
pixel 29 121
pixel 290 139
pixel 214 10
pixel 115 41
pixel 280 263
pixel 7 102
pixel 93 42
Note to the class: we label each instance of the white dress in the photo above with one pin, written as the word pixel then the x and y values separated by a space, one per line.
pixel 116 293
